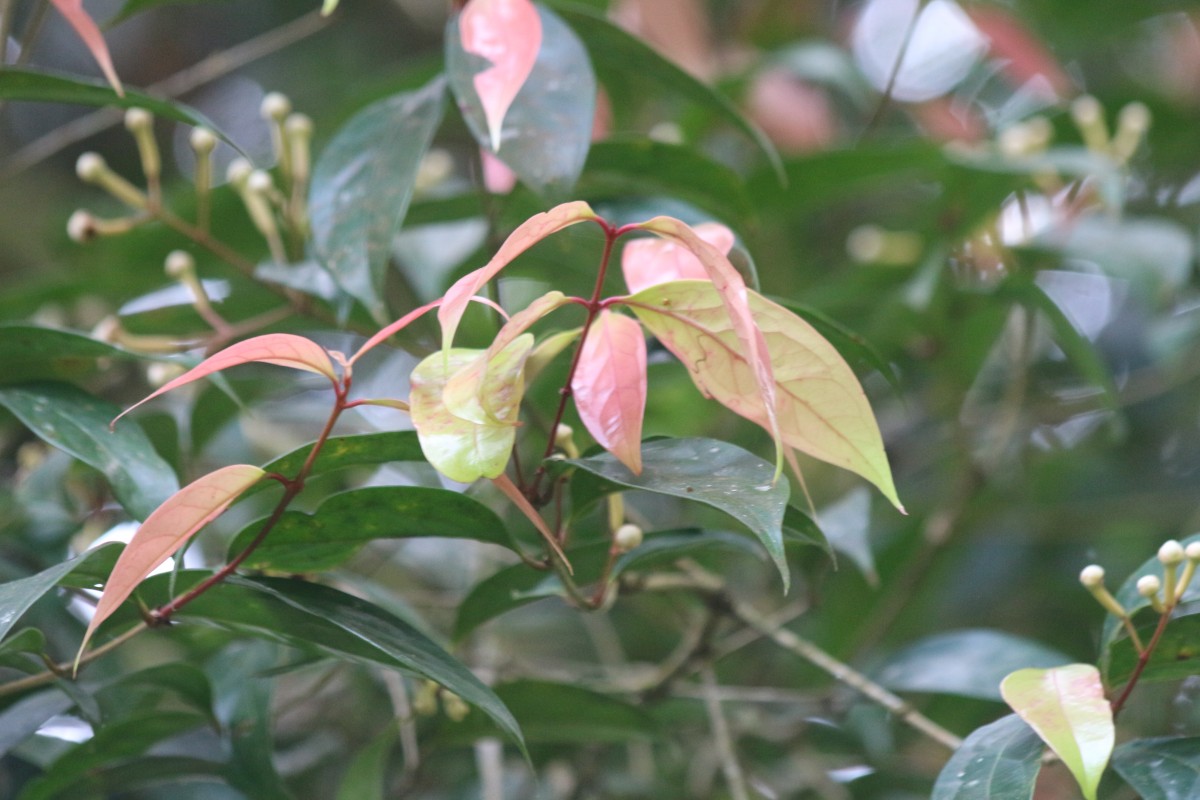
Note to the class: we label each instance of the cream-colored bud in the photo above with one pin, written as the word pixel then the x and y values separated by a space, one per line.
pixel 425 699
pixel 455 707
pixel 138 119
pixel 1134 117
pixel 628 537
pixel 90 167
pixel 1092 576
pixel 179 264
pixel 1171 552
pixel 1040 132
pixel 1148 585
pixel 238 171
pixel 108 330
pixel 159 373
pixel 81 227
pixel 1086 110
pixel 1192 551
pixel 260 182
pixel 298 125
pixel 202 140
pixel 276 106
pixel 563 434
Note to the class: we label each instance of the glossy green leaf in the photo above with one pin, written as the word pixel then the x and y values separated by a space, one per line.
pixel 21 720
pixel 617 53
pixel 999 761
pixel 122 777
pixel 17 596
pixel 1166 768
pixel 847 524
pixel 799 528
pixel 559 713
pixel 23 650
pixel 1175 657
pixel 548 127
pixel 345 522
pixel 970 663
pixel 362 184
pixel 29 353
pixel 77 423
pixel 182 681
pixel 715 473
pixel 347 452
pixel 1068 709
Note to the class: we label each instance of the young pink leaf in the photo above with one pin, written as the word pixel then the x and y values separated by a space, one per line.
pixel 505 484
pixel 86 30
pixel 508 34
pixel 610 386
pixel 646 262
pixel 733 292
pixel 1067 708
pixel 283 349
pixel 166 529
pixel 529 233
pixel 822 409
pixel 390 330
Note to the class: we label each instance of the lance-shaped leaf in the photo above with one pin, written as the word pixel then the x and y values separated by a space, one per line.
pixel 171 524
pixel 648 262
pixel 527 234
pixel 85 28
pixel 461 449
pixel 822 409
pixel 1067 708
pixel 283 349
pixel 1161 769
pixel 507 34
pixel 392 329
pixel 999 761
pixel 609 386
pixel 732 291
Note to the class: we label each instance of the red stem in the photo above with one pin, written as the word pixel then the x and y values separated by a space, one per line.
pixel 1143 660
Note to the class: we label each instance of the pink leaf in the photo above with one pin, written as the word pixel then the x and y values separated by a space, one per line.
pixel 283 349
pixel 85 28
pixel 732 288
pixel 1067 708
pixel 394 328
pixel 166 529
pixel 646 262
pixel 505 484
pixel 508 34
pixel 497 177
pixel 529 233
pixel 610 386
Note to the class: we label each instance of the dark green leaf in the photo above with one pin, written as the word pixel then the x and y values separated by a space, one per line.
pixel 999 761
pixel 616 52
pixel 22 719
pixel 847 524
pixel 715 473
pixel 970 663
pixel 17 596
pixel 133 7
pixel 29 353
pixel 364 778
pixel 343 452
pixel 1176 656
pixel 362 185
pixel 548 127
pixel 345 522
pixel 121 777
pixel 184 681
pixel 555 713
pixel 799 528
pixel 23 650
pixel 1161 769
pixel 77 423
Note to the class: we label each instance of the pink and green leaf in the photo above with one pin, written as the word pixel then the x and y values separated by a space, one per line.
pixel 508 35
pixel 282 349
pixel 86 29
pixel 1067 708
pixel 646 262
pixel 181 516
pixel 529 233
pixel 390 330
pixel 510 490
pixel 462 449
pixel 731 288
pixel 822 409
pixel 609 386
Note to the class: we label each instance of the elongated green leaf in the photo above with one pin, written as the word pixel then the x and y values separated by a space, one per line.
pixel 181 680
pixel 799 528
pixel 77 423
pixel 715 473
pixel 616 54
pixel 1068 709
pixel 22 719
pixel 969 663
pixel 556 713
pixel 121 777
pixel 29 353
pixel 364 778
pixel 17 596
pixel 347 452
pixel 362 185
pixel 1176 656
pixel 23 650
pixel 821 407
pixel 345 522
pixel 1167 768
pixel 999 761
pixel 546 131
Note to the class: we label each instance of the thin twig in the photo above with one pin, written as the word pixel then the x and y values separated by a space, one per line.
pixel 730 767
pixel 1143 660
pixel 886 98
pixel 64 668
pixel 398 693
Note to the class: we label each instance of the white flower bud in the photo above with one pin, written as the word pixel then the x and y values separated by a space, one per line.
pixel 259 182
pixel 238 171
pixel 159 373
pixel 1193 551
pixel 90 167
pixel 563 434
pixel 1135 117
pixel 1148 585
pixel 1092 576
pixel 276 106
pixel 1086 110
pixel 202 140
pixel 108 330
pixel 179 264
pixel 81 227
pixel 1171 552
pixel 455 707
pixel 298 125
pixel 627 537
pixel 138 119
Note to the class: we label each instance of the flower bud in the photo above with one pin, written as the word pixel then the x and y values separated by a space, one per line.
pixel 1089 118
pixel 179 265
pixel 81 227
pixel 425 701
pixel 138 119
pixel 1132 124
pixel 238 171
pixel 1171 552
pixel 627 537
pixel 1148 586
pixel 1192 551
pixel 90 167
pixel 159 373
pixel 1092 576
pixel 260 182
pixel 275 106
pixel 455 707
pixel 202 140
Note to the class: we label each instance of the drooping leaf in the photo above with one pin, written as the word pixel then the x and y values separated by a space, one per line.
pixel 17 596
pixel 85 27
pixel 165 530
pixel 77 423
pixel 853 347
pixel 715 473
pixel 970 663
pixel 506 34
pixel 730 289
pixel 462 449
pixel 547 129
pixel 649 262
pixel 1166 768
pixel 609 386
pixel 362 184
pixel 22 719
pixel 393 328
pixel 822 409
pixel 529 233
pixel 282 349
pixel 345 522
pixel 999 761
pixel 30 352
pixel 1068 709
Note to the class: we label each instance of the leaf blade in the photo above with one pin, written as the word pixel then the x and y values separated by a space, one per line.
pixel 609 386
pixel 999 761
pixel 507 34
